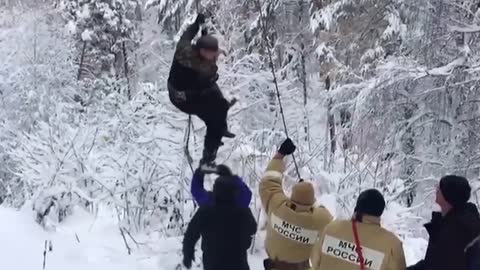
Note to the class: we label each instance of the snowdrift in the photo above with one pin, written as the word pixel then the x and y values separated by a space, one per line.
pixel 84 241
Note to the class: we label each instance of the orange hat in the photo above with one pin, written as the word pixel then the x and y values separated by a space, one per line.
pixel 303 194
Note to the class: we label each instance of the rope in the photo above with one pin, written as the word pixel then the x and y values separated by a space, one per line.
pixel 277 90
pixel 187 141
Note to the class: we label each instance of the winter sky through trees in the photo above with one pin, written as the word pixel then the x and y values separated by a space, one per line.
pixel 377 93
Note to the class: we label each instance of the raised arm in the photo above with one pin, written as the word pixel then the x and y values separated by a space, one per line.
pixel 185 41
pixel 270 188
pixel 199 194
pixel 184 51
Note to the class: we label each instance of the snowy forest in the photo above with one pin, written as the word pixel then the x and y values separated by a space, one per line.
pixel 376 94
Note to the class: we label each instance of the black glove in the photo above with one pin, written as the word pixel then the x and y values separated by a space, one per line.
pixel 187 261
pixel 287 147
pixel 208 169
pixel 200 19
pixel 232 102
pixel 223 170
pixel 199 172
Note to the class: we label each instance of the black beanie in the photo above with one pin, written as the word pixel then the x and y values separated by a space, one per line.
pixel 207 42
pixel 224 190
pixel 455 189
pixel 370 202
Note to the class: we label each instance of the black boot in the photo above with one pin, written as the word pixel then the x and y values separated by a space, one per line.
pixel 207 163
pixel 228 134
pixel 232 102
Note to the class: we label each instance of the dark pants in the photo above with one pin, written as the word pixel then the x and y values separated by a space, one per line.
pixel 210 106
pixel 270 264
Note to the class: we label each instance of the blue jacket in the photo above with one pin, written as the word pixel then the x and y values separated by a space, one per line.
pixel 203 197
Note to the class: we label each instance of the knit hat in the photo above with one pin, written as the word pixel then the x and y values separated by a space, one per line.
pixel 224 190
pixel 207 42
pixel 370 202
pixel 303 194
pixel 455 189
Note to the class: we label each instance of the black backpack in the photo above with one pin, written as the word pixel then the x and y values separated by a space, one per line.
pixel 473 254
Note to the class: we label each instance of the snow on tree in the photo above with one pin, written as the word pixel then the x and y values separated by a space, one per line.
pixel 376 94
pixel 107 34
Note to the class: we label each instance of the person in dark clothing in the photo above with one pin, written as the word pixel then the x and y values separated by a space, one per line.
pixel 226 231
pixel 193 89
pixel 205 198
pixel 473 254
pixel 451 230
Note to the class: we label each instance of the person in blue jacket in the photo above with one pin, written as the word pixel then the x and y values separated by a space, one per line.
pixel 206 198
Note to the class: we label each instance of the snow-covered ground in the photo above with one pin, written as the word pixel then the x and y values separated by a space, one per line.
pixel 85 242
pixel 99 245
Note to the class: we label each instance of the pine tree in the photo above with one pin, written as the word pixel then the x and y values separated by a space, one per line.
pixel 107 33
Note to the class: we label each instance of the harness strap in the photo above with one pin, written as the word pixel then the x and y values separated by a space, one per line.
pixel 471 244
pixel 358 248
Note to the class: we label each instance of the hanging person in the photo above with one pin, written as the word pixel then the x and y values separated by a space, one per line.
pixel 193 89
pixel 226 230
pixel 204 198
pixel 454 242
pixel 360 243
pixel 294 223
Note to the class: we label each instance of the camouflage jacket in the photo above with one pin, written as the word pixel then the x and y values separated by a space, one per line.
pixel 189 72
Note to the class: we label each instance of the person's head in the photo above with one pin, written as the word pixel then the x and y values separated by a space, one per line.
pixel 224 190
pixel 370 202
pixel 208 48
pixel 452 192
pixel 303 194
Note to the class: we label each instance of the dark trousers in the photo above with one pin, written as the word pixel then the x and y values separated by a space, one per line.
pixel 210 106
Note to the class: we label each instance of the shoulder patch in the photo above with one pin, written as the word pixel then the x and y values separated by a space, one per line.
pixel 293 232
pixel 346 251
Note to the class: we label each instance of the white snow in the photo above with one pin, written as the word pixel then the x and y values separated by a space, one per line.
pixel 85 241
pixel 465 29
pixel 151 3
pixel 325 16
pixel 447 69
pixel 99 245
pixel 87 35
pixel 325 52
pixel 71 27
pixel 143 147
pixel 84 13
pixel 394 26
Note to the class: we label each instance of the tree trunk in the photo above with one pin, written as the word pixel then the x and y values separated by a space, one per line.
pixel 408 148
pixel 125 64
pixel 330 126
pixel 82 58
pixel 305 98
